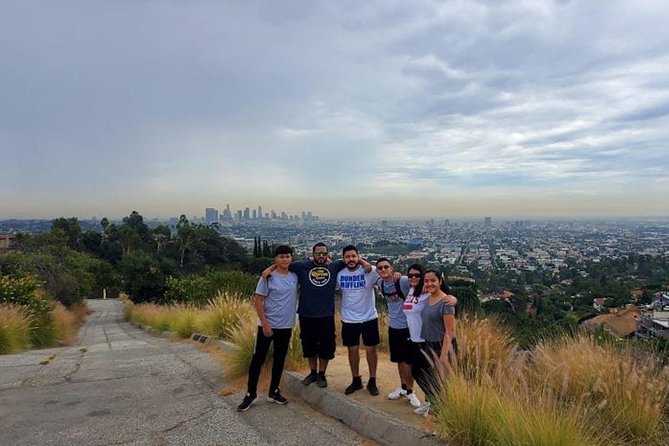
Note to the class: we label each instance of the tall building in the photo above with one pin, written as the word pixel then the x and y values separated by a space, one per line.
pixel 227 215
pixel 487 221
pixel 210 215
pixel 247 214
pixel 260 214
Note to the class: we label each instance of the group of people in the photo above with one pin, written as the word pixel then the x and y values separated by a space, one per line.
pixel 421 321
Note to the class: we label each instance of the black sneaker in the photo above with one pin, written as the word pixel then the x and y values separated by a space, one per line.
pixel 321 381
pixel 310 378
pixel 355 385
pixel 277 398
pixel 371 386
pixel 247 402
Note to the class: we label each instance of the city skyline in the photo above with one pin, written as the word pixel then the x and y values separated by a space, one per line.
pixel 458 109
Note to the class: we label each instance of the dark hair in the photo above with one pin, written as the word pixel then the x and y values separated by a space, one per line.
pixel 283 249
pixel 418 289
pixel 442 281
pixel 383 259
pixel 349 248
pixel 317 245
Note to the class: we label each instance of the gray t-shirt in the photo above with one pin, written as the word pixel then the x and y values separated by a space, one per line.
pixel 433 329
pixel 280 292
pixel 396 317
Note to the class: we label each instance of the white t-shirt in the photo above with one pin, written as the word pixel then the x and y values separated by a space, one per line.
pixel 412 307
pixel 358 303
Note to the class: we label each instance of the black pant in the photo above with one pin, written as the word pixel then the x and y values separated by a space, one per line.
pixel 281 338
pixel 423 371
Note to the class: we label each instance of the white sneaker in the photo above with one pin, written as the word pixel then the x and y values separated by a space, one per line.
pixel 413 400
pixel 397 393
pixel 423 409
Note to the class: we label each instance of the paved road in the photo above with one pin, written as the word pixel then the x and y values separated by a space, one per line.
pixel 120 386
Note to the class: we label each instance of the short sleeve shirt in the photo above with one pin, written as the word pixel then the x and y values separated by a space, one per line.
pixel 280 293
pixel 358 302
pixel 317 286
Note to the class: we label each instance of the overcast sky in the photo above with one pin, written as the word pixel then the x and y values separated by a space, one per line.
pixel 345 108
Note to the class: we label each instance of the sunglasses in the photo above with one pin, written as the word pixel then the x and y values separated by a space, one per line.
pixel 383 267
pixel 414 276
pixel 320 254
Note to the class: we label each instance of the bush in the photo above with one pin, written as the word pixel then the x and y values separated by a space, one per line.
pixel 200 289
pixel 15 322
pixel 573 390
pixel 223 313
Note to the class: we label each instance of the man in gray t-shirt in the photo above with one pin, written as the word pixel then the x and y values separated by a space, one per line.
pixel 275 302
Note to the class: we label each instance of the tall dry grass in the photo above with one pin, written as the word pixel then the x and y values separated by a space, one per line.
pixel 487 349
pixel 482 413
pixel 223 313
pixel 573 390
pixel 243 335
pixel 15 324
pixel 628 391
pixel 65 324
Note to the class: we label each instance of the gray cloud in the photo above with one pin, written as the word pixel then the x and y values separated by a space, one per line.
pixel 169 105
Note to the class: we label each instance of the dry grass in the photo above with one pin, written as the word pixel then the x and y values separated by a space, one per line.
pixel 244 336
pixel 573 390
pixel 628 392
pixel 64 324
pixel 487 350
pixel 479 413
pixel 223 313
pixel 15 323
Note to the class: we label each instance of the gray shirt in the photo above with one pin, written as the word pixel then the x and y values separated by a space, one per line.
pixel 280 292
pixel 433 328
pixel 396 317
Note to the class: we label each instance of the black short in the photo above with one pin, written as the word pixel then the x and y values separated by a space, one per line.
pixel 350 333
pixel 318 337
pixel 400 345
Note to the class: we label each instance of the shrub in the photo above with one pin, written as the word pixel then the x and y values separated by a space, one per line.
pixel 223 313
pixel 628 391
pixel 65 324
pixel 486 349
pixel 15 322
pixel 479 413
pixel 243 335
pixel 201 289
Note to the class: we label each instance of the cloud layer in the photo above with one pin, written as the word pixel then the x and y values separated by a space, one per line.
pixel 455 108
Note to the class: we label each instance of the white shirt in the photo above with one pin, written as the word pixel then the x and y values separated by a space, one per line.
pixel 412 307
pixel 358 302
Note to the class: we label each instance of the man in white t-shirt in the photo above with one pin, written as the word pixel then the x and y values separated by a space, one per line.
pixel 359 317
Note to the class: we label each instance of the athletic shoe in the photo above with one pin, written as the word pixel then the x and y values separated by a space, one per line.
pixel 397 393
pixel 423 409
pixel 371 386
pixel 277 398
pixel 247 402
pixel 310 378
pixel 413 400
pixel 321 381
pixel 355 385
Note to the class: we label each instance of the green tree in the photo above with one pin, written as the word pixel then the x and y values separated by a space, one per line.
pixel 71 228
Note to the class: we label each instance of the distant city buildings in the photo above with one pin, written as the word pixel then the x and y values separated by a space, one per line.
pixel 211 215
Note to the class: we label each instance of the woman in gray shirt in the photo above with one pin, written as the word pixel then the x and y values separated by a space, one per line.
pixel 438 331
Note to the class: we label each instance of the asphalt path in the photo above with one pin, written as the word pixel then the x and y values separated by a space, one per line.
pixel 121 386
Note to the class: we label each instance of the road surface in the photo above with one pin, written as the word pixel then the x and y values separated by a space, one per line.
pixel 120 386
